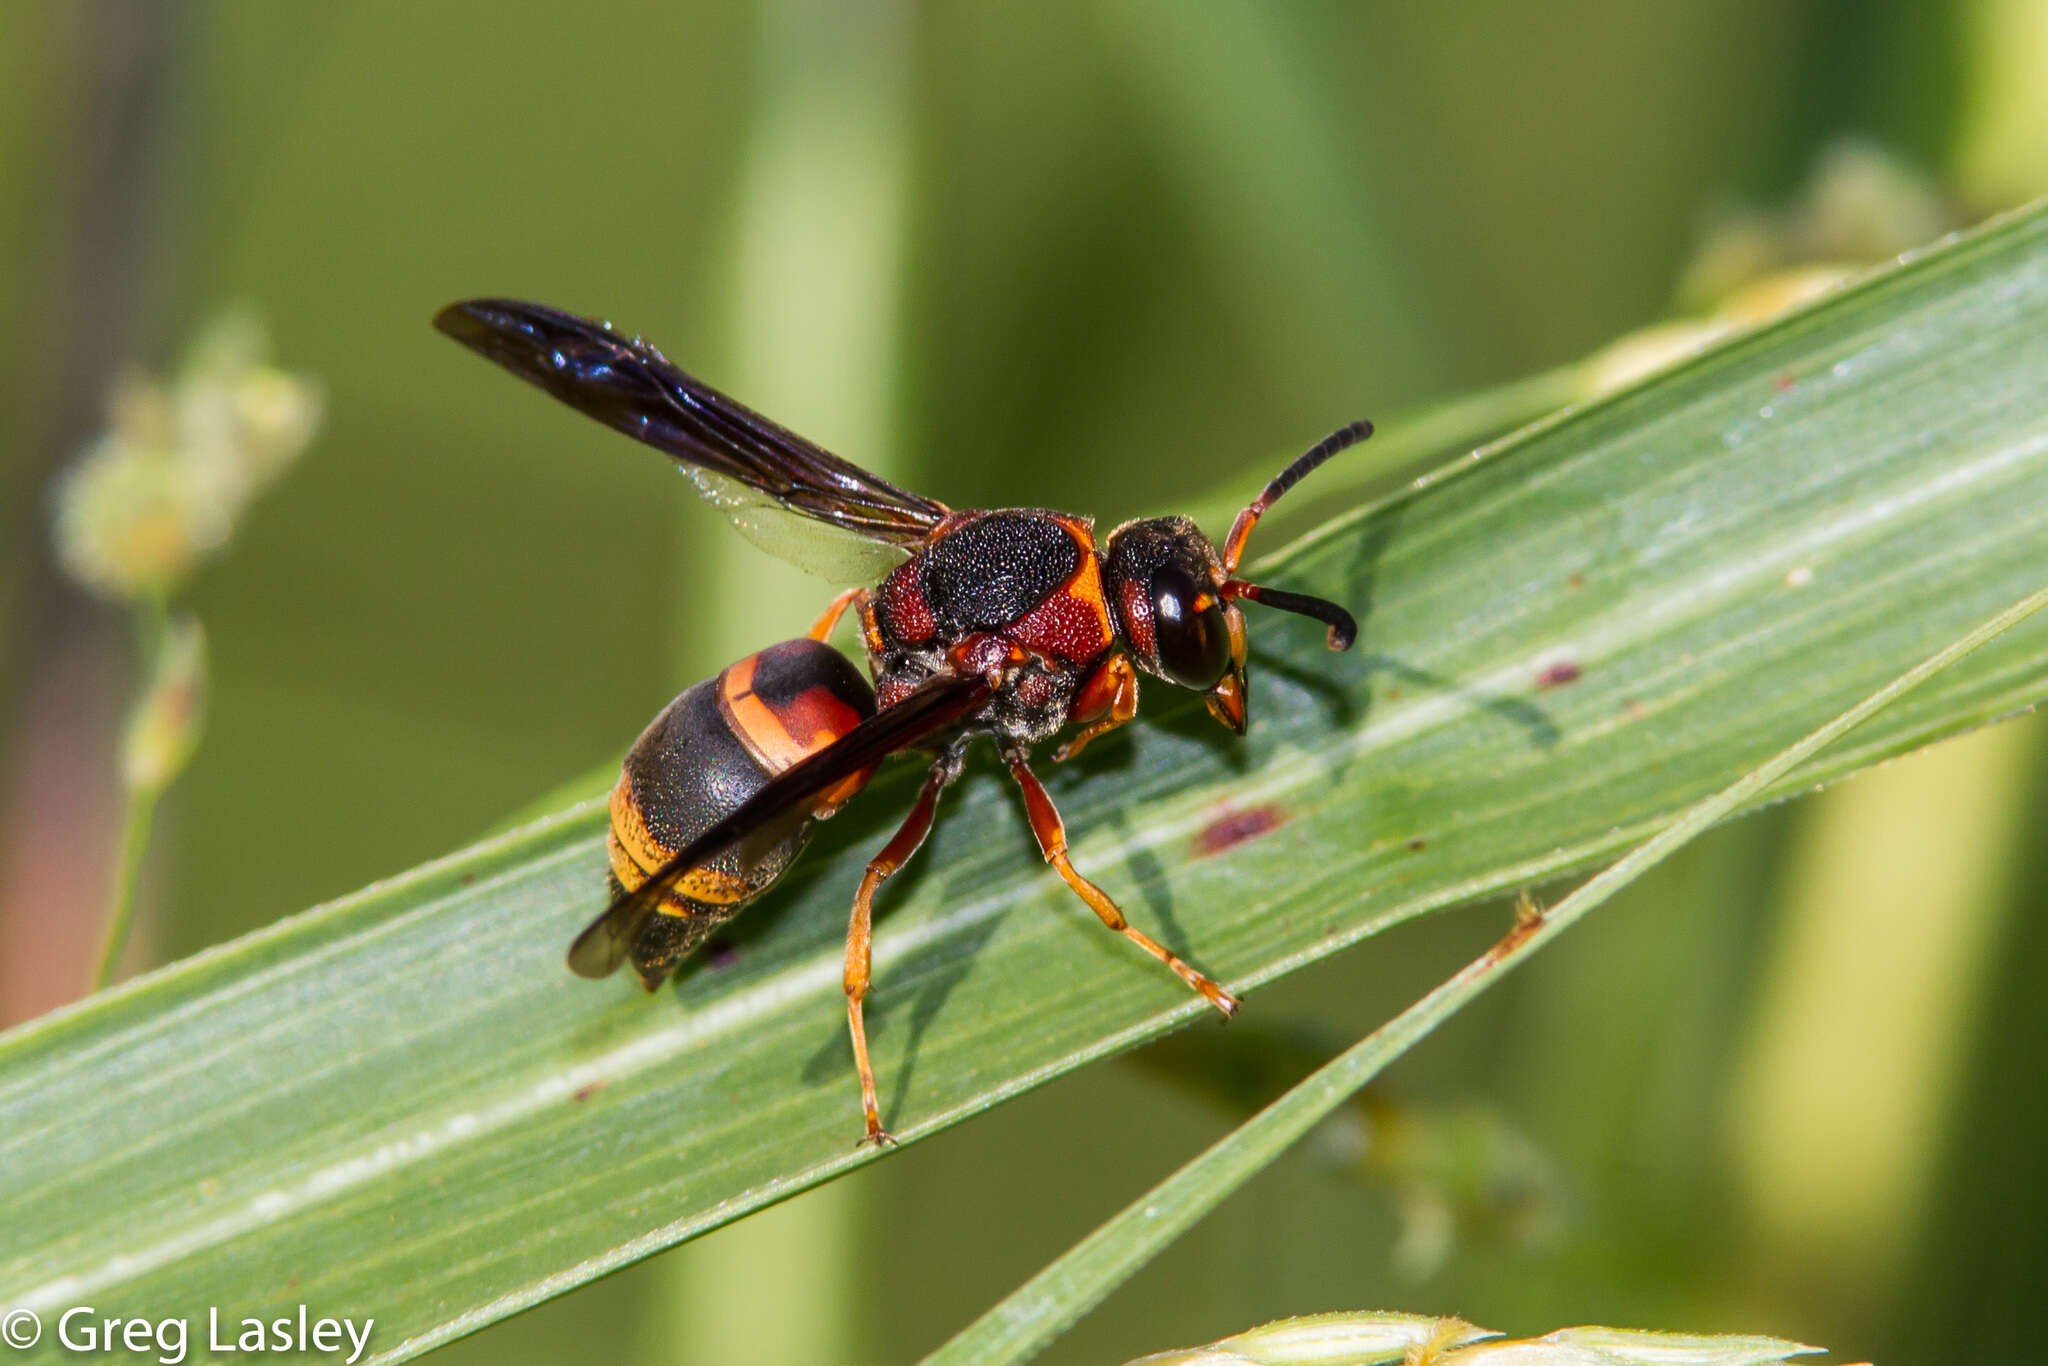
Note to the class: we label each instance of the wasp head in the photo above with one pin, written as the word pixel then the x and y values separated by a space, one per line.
pixel 1175 595
pixel 1165 584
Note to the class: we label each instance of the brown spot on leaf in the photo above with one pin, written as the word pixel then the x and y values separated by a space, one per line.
pixel 1785 383
pixel 1417 845
pixel 1235 827
pixel 1575 582
pixel 589 1089
pixel 1526 924
pixel 1557 675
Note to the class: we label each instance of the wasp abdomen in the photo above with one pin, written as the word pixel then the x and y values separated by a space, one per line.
pixel 708 751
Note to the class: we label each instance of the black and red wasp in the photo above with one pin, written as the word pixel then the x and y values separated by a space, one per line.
pixel 1011 623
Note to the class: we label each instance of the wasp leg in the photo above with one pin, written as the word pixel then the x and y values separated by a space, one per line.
pixel 1109 697
pixel 1052 840
pixel 822 629
pixel 859 937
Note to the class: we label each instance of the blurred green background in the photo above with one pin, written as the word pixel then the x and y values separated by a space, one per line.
pixel 1104 257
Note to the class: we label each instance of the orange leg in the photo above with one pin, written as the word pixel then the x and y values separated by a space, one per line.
pixel 1052 840
pixel 859 939
pixel 823 629
pixel 1108 699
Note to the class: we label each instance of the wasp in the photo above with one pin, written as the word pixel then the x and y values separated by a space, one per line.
pixel 1010 623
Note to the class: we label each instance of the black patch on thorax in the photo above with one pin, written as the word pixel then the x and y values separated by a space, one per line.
pixel 995 569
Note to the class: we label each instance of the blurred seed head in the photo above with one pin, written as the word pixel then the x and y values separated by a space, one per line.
pixel 1860 206
pixel 164 728
pixel 133 517
pixel 1765 298
pixel 163 487
pixel 1463 1176
pixel 1863 203
pixel 1647 350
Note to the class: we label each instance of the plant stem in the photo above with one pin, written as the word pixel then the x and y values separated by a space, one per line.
pixel 138 815
pixel 135 825
pixel 1030 1317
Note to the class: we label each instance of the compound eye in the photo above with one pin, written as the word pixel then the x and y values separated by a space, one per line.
pixel 1187 618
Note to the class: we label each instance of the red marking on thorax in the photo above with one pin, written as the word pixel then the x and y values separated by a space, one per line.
pixel 1072 624
pixel 902 608
pixel 1065 626
pixel 984 654
pixel 1235 827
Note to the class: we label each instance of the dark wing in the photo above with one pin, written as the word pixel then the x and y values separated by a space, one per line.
pixel 631 387
pixel 941 703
